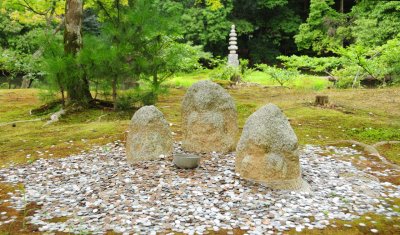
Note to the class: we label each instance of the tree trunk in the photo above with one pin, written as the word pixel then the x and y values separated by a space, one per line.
pixel 342 6
pixel 321 100
pixel 114 92
pixel 62 97
pixel 78 86
pixel 73 26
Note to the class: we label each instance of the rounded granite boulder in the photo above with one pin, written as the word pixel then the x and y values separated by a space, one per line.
pixel 149 135
pixel 209 119
pixel 267 151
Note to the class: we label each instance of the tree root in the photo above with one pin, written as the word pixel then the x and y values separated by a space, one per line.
pixel 96 103
pixel 55 117
pixel 21 121
pixel 371 149
pixel 46 107
pixel 99 118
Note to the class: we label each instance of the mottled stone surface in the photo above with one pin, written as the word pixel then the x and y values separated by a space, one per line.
pixel 209 119
pixel 233 60
pixel 149 136
pixel 267 151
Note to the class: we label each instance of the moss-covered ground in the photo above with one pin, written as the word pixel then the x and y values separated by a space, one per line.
pixel 366 115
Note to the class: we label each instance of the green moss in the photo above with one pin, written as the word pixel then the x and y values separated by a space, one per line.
pixel 376 134
pixel 382 224
pixel 391 152
pixel 16 104
pixel 244 111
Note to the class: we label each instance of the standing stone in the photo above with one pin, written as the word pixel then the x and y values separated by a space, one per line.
pixel 267 151
pixel 233 58
pixel 209 119
pixel 149 135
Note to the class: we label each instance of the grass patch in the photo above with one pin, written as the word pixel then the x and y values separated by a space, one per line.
pixel 16 104
pixel 245 110
pixel 379 222
pixel 376 134
pixel 311 82
pixel 301 82
pixel 28 141
pixel 186 80
pixel 391 152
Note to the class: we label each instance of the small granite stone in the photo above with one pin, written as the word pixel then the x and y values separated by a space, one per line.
pixel 149 136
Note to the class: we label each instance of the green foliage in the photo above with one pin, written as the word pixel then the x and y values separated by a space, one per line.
pixel 47 96
pixel 136 98
pixel 265 27
pixel 245 70
pixel 11 62
pixel 364 42
pixel 313 64
pixel 147 42
pixel 346 79
pixel 164 57
pixel 380 63
pixel 268 29
pixel 354 63
pixel 224 72
pixel 243 27
pixel 19 46
pixel 58 67
pixel 34 12
pixel 270 4
pixel 319 32
pixel 281 76
pixel 138 41
pixel 368 24
pixel 207 26
pixel 388 60
pixel 212 4
pixel 374 22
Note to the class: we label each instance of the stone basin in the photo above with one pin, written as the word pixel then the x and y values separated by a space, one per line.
pixel 186 160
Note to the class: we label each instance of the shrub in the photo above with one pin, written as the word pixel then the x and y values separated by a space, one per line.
pixel 245 70
pixel 224 72
pixel 137 98
pixel 4 85
pixel 281 76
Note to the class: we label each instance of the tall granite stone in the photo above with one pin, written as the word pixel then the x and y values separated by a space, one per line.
pixel 209 119
pixel 149 136
pixel 233 57
pixel 267 151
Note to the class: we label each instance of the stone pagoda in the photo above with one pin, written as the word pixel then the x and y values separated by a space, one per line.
pixel 233 58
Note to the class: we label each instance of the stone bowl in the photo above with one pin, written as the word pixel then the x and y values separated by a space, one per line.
pixel 186 160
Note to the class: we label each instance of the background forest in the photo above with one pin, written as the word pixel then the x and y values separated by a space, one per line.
pixel 130 42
